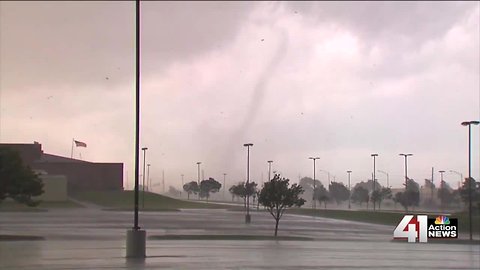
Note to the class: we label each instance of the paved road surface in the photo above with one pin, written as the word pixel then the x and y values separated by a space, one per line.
pixel 95 239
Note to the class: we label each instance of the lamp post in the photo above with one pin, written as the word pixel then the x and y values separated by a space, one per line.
pixel 247 216
pixel 224 186
pixel 313 196
pixel 148 177
pixel 182 185
pixel 406 170
pixel 441 187
pixel 349 189
pixel 388 183
pixel 198 165
pixel 136 238
pixel 144 149
pixel 269 169
pixel 469 124
pixel 374 156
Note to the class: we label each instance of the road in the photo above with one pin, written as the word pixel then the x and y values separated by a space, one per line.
pixel 95 239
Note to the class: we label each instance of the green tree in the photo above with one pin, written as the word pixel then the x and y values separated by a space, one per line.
pixel 276 195
pixel 445 195
pixel 409 197
pixel 209 186
pixel 191 187
pixel 379 195
pixel 18 181
pixel 242 190
pixel 360 195
pixel 321 194
pixel 475 187
pixel 339 192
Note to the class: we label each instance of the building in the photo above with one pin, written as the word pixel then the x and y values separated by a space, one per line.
pixel 81 175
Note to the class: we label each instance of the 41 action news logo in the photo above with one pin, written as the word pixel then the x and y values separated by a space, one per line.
pixel 421 228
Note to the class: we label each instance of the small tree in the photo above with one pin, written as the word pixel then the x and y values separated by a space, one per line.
pixel 360 195
pixel 379 195
pixel 321 195
pixel 276 196
pixel 18 181
pixel 475 188
pixel 242 190
pixel 209 186
pixel 339 192
pixel 191 187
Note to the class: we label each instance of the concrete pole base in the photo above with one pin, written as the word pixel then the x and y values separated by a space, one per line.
pixel 136 242
pixel 248 219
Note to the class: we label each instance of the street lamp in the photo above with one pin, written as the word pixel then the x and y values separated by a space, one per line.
pixel 313 198
pixel 380 171
pixel 247 216
pixel 182 186
pixel 441 187
pixel 469 124
pixel 148 177
pixel 144 149
pixel 406 175
pixel 198 165
pixel 224 186
pixel 269 169
pixel 349 189
pixel 136 238
pixel 374 156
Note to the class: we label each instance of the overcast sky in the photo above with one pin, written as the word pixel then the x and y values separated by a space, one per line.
pixel 336 80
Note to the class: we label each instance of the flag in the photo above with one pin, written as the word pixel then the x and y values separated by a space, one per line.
pixel 80 144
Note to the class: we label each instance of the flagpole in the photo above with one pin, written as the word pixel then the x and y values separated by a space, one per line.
pixel 71 153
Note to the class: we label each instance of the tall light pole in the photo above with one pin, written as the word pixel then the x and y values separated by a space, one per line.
pixel 182 185
pixel 388 183
pixel 441 187
pixel 269 169
pixel 313 196
pixel 198 165
pixel 144 149
pixel 136 238
pixel 406 168
pixel 247 216
pixel 148 177
pixel 349 189
pixel 469 124
pixel 224 186
pixel 374 156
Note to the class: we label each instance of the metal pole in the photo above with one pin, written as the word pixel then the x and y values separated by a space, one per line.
pixel 470 180
pixel 137 108
pixel 349 189
pixel 224 186
pixel 198 180
pixel 469 124
pixel 269 169
pixel 373 176
pixel 247 217
pixel 143 177
pixel 148 177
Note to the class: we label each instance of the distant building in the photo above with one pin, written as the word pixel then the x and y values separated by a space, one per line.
pixel 81 175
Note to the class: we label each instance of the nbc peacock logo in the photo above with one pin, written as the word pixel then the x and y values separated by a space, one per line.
pixel 442 220
pixel 442 227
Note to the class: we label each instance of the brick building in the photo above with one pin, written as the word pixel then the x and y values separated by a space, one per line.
pixel 81 175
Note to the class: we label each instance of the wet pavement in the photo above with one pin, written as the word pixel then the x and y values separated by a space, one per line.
pixel 95 239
